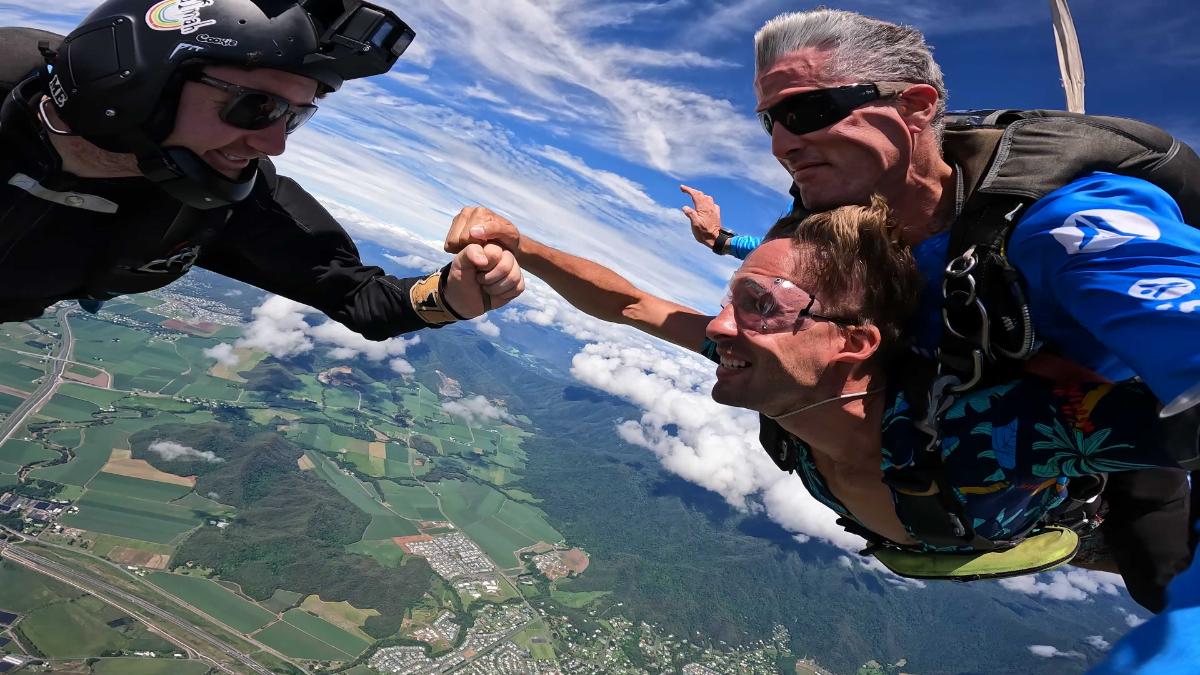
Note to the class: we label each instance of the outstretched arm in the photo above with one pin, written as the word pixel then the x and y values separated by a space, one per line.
pixel 589 286
pixel 705 217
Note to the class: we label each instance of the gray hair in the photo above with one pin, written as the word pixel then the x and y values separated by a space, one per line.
pixel 864 50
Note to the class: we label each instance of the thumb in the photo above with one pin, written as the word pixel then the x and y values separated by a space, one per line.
pixel 688 211
pixel 478 233
pixel 474 257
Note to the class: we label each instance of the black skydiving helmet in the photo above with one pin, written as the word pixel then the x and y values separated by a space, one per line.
pixel 117 78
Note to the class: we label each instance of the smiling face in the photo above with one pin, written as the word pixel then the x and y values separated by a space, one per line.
pixel 226 148
pixel 772 372
pixel 845 163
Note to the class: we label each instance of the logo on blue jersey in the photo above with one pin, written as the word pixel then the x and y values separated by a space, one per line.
pixel 1097 230
pixel 1166 288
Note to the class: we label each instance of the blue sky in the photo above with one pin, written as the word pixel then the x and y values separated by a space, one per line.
pixel 579 119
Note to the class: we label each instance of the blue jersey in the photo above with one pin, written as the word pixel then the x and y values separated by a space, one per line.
pixel 741 245
pixel 1112 272
pixel 1166 644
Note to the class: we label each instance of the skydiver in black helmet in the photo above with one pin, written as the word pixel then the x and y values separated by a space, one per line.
pixel 139 146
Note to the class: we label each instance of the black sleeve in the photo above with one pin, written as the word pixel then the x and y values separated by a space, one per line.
pixel 283 241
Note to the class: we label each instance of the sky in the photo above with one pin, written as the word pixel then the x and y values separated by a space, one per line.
pixel 579 119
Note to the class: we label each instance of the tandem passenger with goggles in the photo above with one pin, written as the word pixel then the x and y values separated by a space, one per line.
pixel 140 145
pixel 1052 244
pixel 809 335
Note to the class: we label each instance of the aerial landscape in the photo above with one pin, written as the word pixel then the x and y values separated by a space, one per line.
pixel 173 506
pixel 209 478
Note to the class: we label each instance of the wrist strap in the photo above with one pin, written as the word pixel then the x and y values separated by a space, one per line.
pixel 428 299
pixel 723 237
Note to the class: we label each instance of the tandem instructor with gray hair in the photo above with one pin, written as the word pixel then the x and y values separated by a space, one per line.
pixel 1054 245
pixel 138 147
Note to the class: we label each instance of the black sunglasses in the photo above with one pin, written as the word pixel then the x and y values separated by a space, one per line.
pixel 252 109
pixel 812 110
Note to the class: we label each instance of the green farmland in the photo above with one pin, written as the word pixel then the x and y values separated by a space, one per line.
pixel 325 632
pixel 97 447
pixel 85 627
pixel 20 453
pixel 215 601
pixel 498 524
pixel 297 644
pixel 142 666
pixel 69 409
pixel 411 502
pixel 137 488
pixel 132 518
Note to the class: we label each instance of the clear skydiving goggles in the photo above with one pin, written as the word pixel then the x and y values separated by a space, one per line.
pixel 773 305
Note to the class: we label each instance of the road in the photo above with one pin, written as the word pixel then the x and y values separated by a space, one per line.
pixel 34 401
pixel 93 585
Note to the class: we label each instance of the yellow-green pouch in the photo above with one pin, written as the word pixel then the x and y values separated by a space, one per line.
pixel 1052 547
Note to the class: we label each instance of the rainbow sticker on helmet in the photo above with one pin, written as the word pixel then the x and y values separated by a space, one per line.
pixel 181 15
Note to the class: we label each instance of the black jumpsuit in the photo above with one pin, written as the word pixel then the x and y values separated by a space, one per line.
pixel 64 237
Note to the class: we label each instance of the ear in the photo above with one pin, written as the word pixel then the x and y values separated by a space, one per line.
pixel 918 106
pixel 859 344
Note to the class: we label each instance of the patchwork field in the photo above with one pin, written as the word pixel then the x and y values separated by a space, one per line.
pixel 84 627
pixel 326 632
pixel 19 452
pixel 138 488
pixel 215 601
pixel 94 453
pixel 132 518
pixel 68 408
pixel 121 463
pixel 498 524
pixel 297 644
pixel 341 614
pixel 412 502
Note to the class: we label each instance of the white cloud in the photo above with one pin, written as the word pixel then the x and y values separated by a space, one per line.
pixel 1073 584
pixel 556 58
pixel 223 354
pixel 476 409
pixel 1132 620
pixel 1098 642
pixel 1050 652
pixel 279 328
pixel 402 367
pixel 485 326
pixel 171 450
pixel 484 94
pixel 411 261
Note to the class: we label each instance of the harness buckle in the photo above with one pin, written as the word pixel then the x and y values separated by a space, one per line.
pixel 941 397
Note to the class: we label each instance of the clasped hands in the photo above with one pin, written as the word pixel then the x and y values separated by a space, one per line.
pixel 484 274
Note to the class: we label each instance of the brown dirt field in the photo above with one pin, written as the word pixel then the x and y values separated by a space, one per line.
pixel 130 556
pixel 102 380
pixel 121 464
pixel 411 539
pixel 576 560
pixel 305 463
pixel 377 450
pixel 203 329
pixel 14 392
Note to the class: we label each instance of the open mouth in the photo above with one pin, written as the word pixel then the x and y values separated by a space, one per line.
pixel 228 161
pixel 734 364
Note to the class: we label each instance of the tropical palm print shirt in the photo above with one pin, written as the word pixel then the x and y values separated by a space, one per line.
pixel 1009 451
